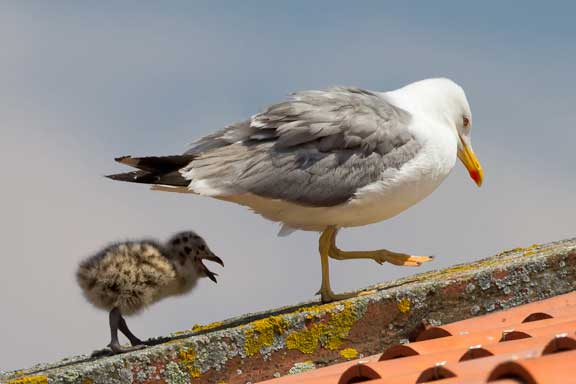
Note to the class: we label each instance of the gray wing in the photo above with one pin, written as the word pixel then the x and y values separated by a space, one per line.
pixel 316 149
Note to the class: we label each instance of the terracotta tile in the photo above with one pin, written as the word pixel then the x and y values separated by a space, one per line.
pixel 297 379
pixel 414 365
pixel 483 366
pixel 433 374
pixel 558 344
pixel 430 368
pixel 505 381
pixel 452 380
pixel 500 351
pixel 476 352
pixel 411 380
pixel 359 373
pixel 485 337
pixel 530 347
pixel 548 329
pixel 563 305
pixel 332 371
pixel 475 380
pixel 479 324
pixel 548 369
pixel 478 370
pixel 458 380
pixel 404 366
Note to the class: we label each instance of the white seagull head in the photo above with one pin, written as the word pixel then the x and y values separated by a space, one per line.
pixel 446 101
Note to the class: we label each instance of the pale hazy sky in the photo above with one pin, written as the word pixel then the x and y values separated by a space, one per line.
pixel 81 83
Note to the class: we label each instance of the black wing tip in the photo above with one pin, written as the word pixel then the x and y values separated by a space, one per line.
pixel 153 169
pixel 134 177
pixel 115 176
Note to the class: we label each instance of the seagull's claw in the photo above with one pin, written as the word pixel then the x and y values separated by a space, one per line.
pixel 367 292
pixel 327 296
pixel 401 259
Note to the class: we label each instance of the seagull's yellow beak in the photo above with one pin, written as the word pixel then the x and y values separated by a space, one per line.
pixel 470 161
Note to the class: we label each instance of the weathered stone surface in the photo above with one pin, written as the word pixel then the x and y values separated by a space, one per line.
pixel 288 340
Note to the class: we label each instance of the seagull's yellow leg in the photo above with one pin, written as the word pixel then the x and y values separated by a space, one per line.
pixel 380 256
pixel 325 245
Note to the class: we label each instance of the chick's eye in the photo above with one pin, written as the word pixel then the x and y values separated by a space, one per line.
pixel 466 121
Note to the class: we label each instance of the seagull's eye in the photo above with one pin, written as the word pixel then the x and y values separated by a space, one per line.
pixel 466 121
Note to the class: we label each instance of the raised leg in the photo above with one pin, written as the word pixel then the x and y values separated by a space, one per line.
pixel 380 256
pixel 115 323
pixel 328 248
pixel 324 245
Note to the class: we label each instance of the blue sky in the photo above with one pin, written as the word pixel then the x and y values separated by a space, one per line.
pixel 81 83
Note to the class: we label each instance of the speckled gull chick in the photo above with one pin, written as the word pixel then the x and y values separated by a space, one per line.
pixel 126 277
pixel 327 159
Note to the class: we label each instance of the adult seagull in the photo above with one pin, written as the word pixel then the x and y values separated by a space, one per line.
pixel 327 159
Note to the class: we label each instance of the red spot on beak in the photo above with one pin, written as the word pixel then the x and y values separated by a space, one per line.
pixel 475 175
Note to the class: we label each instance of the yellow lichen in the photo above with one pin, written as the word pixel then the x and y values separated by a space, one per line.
pixel 194 372
pixel 531 250
pixel 187 357
pixel 349 353
pixel 404 305
pixel 260 333
pixel 87 381
pixel 306 341
pixel 330 333
pixel 198 327
pixel 315 310
pixel 30 380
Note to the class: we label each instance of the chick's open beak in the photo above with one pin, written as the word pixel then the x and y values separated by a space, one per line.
pixel 470 161
pixel 211 275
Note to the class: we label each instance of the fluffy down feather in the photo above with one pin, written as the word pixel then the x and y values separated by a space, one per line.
pixel 129 276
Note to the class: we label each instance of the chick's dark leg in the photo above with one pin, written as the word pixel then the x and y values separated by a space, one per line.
pixel 115 323
pixel 124 329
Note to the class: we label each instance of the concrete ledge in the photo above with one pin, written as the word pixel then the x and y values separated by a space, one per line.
pixel 287 340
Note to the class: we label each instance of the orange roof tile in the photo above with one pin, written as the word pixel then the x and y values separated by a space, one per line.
pixel 563 305
pixel 532 343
